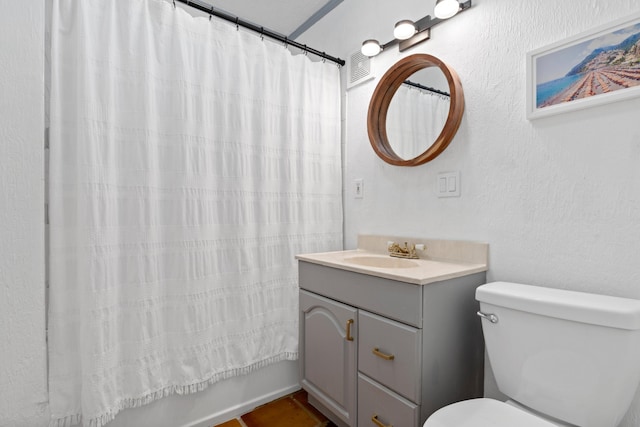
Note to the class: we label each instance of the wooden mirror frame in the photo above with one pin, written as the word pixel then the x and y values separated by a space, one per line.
pixel 381 99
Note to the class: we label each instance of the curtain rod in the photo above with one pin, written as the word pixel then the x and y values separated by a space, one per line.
pixel 430 89
pixel 207 8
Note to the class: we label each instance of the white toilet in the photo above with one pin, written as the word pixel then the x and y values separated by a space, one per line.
pixel 563 358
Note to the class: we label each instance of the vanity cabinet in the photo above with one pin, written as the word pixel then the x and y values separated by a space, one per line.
pixel 379 352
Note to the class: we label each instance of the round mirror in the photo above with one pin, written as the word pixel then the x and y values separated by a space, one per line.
pixel 415 111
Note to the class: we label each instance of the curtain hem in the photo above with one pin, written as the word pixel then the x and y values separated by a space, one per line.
pixel 109 415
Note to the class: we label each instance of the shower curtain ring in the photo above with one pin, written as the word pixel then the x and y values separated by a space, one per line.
pixel 286 42
pixel 306 51
pixel 262 33
pixel 237 25
pixel 174 4
pixel 211 14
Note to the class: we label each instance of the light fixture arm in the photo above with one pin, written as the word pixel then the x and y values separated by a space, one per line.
pixel 389 44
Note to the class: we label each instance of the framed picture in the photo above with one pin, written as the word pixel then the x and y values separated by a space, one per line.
pixel 592 68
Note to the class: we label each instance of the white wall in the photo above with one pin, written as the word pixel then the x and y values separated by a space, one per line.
pixel 22 338
pixel 557 199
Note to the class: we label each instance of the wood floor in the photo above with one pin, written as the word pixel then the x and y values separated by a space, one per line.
pixel 290 411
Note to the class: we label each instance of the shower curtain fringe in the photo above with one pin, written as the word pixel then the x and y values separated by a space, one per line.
pixel 130 403
pixel 68 421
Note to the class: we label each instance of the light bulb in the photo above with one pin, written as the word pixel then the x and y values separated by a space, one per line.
pixel 371 48
pixel 446 8
pixel 404 29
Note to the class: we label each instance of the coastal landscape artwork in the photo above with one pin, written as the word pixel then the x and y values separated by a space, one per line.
pixel 589 69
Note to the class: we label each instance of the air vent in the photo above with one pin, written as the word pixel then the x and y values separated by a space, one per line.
pixel 359 69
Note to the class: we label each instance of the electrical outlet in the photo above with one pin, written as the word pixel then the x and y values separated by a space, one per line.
pixel 358 188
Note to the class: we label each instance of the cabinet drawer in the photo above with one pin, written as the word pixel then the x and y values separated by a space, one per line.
pixel 376 403
pixel 389 352
pixel 390 298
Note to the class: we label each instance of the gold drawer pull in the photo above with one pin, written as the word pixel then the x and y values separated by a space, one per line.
pixel 349 323
pixel 377 422
pixel 378 353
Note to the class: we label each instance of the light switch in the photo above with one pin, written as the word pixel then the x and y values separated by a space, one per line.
pixel 448 184
pixel 452 184
pixel 442 184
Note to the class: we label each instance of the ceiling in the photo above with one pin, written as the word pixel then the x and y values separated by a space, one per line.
pixel 287 17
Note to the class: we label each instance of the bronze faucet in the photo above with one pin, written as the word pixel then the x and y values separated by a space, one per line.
pixel 395 250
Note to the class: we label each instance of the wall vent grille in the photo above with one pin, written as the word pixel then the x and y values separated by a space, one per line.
pixel 360 69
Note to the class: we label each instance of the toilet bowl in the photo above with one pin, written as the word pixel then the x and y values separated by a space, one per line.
pixel 563 358
pixel 486 412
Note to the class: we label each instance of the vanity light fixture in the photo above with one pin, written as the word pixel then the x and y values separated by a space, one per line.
pixel 408 34
pixel 404 29
pixel 371 47
pixel 446 8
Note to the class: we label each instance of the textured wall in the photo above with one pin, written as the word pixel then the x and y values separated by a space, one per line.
pixel 557 199
pixel 22 315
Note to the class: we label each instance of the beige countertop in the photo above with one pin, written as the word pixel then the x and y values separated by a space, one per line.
pixel 441 260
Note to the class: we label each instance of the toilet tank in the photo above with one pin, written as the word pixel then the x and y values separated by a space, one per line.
pixel 570 355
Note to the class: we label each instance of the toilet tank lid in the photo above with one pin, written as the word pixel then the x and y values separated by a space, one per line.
pixel 603 310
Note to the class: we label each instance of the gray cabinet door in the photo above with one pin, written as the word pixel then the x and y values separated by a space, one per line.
pixel 328 345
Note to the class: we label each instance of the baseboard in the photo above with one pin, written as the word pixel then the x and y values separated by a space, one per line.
pixel 241 409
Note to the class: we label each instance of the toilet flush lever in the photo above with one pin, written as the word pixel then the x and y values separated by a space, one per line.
pixel 490 317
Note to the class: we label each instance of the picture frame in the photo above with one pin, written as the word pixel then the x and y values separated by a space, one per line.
pixel 596 67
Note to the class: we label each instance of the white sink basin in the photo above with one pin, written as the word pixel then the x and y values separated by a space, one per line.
pixel 381 261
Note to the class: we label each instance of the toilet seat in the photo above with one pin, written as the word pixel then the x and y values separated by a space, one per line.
pixel 483 413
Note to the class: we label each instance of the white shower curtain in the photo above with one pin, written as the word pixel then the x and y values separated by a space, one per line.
pixel 415 119
pixel 189 163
